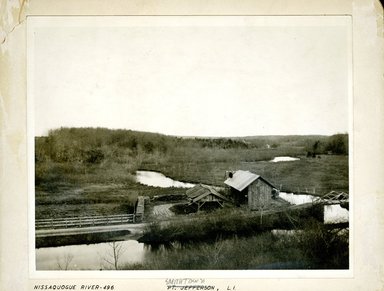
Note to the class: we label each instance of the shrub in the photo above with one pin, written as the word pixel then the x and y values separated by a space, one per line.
pixel 262 251
pixel 338 144
pixel 93 156
pixel 329 248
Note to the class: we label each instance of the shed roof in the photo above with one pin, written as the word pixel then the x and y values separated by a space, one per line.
pixel 242 179
pixel 200 191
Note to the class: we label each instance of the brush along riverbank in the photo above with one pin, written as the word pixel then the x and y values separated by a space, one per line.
pixel 83 238
pixel 312 247
pixel 226 223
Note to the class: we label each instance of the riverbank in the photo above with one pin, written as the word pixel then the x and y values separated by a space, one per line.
pixel 277 250
pixel 225 223
pixel 222 239
pixel 313 247
pixel 79 197
pixel 90 237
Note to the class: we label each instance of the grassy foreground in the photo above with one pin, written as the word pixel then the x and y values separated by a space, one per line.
pixel 314 247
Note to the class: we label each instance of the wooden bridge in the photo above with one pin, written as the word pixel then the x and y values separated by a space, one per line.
pixel 332 198
pixel 86 221
pixel 96 220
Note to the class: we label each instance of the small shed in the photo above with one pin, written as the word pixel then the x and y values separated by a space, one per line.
pixel 248 188
pixel 202 194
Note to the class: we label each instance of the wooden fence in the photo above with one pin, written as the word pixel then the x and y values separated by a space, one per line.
pixel 86 221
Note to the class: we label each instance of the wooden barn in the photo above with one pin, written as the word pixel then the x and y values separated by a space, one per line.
pixel 248 188
pixel 204 194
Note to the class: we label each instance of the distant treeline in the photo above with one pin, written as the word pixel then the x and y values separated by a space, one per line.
pixel 93 145
pixel 336 144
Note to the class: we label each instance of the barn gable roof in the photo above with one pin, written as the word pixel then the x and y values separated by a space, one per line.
pixel 200 191
pixel 242 179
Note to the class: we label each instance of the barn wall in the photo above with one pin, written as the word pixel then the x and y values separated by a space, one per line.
pixel 259 195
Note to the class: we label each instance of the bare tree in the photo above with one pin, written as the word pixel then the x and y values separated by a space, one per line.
pixel 64 262
pixel 113 255
pixel 214 253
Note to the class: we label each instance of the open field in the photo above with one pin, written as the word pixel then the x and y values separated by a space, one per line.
pixel 312 175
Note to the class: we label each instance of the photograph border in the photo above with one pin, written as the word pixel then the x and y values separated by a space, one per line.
pixel 368 124
pixel 34 22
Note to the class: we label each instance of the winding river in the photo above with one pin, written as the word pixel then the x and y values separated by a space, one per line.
pixel 98 256
pixel 332 213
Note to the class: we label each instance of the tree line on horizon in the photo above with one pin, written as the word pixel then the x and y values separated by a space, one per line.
pixel 93 145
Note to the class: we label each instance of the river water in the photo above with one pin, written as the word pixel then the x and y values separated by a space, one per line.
pixel 95 256
pixel 156 179
pixel 332 213
pixel 284 159
pixel 89 257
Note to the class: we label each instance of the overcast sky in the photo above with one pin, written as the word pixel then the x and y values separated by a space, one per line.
pixel 199 76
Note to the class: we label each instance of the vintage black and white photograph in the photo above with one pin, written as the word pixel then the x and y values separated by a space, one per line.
pixel 190 142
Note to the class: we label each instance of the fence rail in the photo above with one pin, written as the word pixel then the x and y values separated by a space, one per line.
pixel 86 221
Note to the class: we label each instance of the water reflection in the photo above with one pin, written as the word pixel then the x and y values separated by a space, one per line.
pixel 335 214
pixel 89 257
